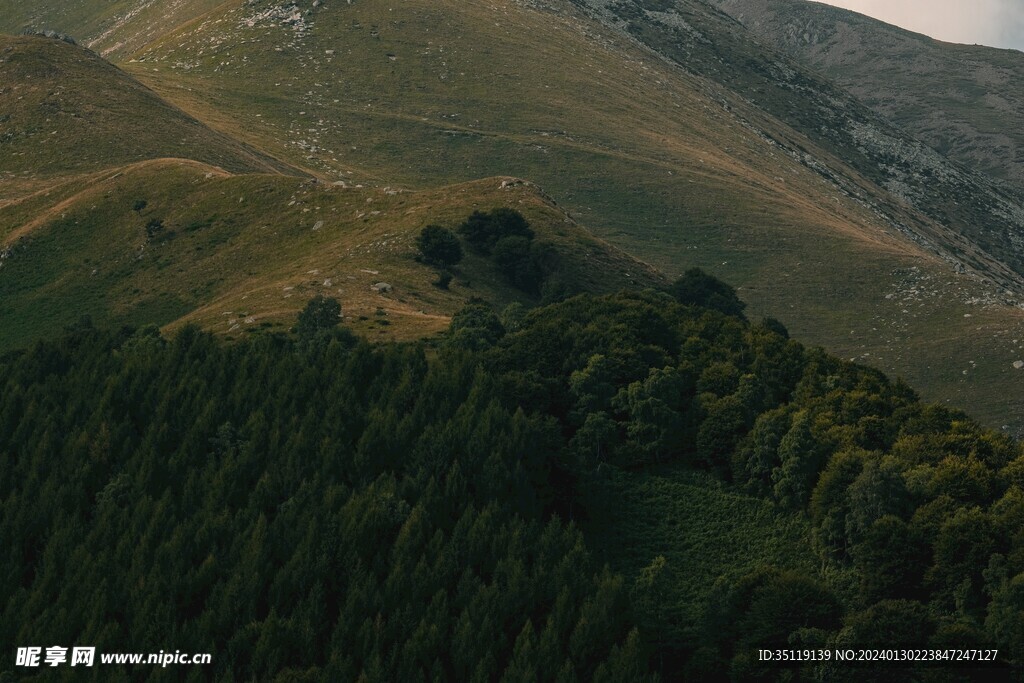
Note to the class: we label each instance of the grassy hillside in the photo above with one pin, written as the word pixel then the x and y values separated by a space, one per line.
pixel 664 160
pixel 670 166
pixel 170 241
pixel 954 211
pixel 64 110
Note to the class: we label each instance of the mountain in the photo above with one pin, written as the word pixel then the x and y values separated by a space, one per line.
pixel 956 207
pixel 964 101
pixel 667 129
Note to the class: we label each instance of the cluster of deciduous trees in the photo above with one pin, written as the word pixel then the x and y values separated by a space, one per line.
pixel 502 235
pixel 920 504
pixel 323 509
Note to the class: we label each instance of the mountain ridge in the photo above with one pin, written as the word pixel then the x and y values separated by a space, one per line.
pixel 959 99
pixel 171 241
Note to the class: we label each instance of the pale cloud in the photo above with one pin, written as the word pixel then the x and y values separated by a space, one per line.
pixel 999 23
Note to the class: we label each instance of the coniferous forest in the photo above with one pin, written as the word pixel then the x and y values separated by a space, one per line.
pixel 314 507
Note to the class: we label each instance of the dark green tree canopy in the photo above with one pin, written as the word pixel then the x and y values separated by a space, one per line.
pixel 439 246
pixel 515 258
pixel 697 288
pixel 475 327
pixel 321 314
pixel 483 230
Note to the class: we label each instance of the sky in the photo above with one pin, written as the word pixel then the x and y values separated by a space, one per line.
pixel 999 23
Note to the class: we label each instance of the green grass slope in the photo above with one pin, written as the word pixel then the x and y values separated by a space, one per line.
pixel 63 110
pixel 171 241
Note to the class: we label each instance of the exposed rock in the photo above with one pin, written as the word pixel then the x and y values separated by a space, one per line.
pixel 49 33
pixel 381 287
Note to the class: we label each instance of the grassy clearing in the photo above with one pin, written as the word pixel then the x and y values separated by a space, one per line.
pixel 702 528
